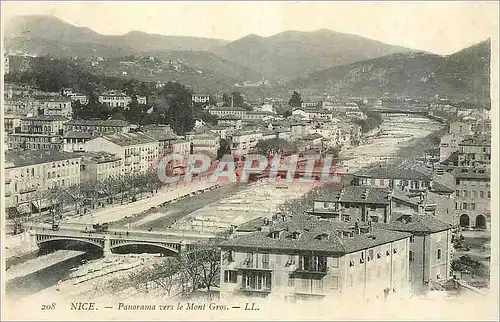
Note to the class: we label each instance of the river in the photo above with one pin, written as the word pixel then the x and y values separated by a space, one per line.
pixel 395 132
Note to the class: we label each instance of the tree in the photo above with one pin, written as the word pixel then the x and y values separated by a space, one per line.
pixel 226 100
pixel 166 274
pixel 224 148
pixel 295 100
pixel 179 107
pixel 201 266
pixel 74 195
pixel 273 146
pixel 108 188
pixel 237 99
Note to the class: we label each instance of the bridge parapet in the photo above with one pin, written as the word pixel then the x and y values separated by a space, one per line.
pixel 108 241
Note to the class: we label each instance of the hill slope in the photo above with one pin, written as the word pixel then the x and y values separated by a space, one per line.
pixel 291 54
pixel 30 30
pixel 464 74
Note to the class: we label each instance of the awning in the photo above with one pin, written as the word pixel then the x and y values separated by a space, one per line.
pixel 43 204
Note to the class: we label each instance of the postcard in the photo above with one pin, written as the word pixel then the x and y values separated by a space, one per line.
pixel 249 160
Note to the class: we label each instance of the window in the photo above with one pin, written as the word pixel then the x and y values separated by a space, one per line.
pixel 379 255
pixel 387 253
pixel 474 194
pixel 439 254
pixel 230 276
pixel 456 205
pixel 412 239
pixel 319 285
pixel 249 258
pixel 362 259
pixel 395 250
pixel 228 256
pixel 265 260
pixel 489 194
pixel 325 205
pixel 335 282
pixel 335 262
pixel 291 260
pixel 472 206
pixel 306 285
pixel 481 194
pixel 464 206
pixel 466 194
pixel 370 254
pixel 351 263
pixel 411 256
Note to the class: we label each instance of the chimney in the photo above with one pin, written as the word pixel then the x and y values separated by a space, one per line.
pixel 356 227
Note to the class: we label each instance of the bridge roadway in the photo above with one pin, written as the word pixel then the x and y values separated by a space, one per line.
pixel 173 241
pixel 394 111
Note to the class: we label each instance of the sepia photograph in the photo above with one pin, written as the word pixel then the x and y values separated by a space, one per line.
pixel 264 160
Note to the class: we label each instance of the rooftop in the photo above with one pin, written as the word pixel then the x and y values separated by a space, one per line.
pixel 471 173
pixel 101 156
pixel 406 172
pixel 129 139
pixel 15 159
pixel 119 123
pixel 362 194
pixel 251 225
pixel 413 223
pixel 46 118
pixel 479 140
pixel 317 235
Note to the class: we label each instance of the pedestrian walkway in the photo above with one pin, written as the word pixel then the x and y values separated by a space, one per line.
pixel 122 211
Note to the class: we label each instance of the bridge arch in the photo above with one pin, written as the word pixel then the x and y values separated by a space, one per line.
pixel 41 240
pixel 137 243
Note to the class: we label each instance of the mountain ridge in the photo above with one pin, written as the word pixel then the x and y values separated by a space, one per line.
pixel 278 57
pixel 462 74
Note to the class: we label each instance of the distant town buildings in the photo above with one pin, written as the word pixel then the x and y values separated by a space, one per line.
pixel 29 174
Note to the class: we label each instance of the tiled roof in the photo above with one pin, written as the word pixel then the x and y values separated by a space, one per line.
pixel 310 228
pixel 413 223
pixel 363 194
pixel 479 140
pixel 46 118
pixel 443 183
pixel 101 156
pixel 229 117
pixel 129 139
pixel 161 135
pixel 402 196
pixel 471 173
pixel 251 225
pixel 399 172
pixel 332 196
pixel 31 157
pixel 453 158
pixel 98 123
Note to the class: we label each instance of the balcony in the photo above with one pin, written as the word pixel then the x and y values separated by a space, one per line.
pixel 255 290
pixel 255 266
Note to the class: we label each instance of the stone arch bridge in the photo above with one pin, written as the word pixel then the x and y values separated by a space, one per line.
pixel 173 242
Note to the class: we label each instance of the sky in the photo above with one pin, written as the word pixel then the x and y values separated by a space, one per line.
pixel 438 27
